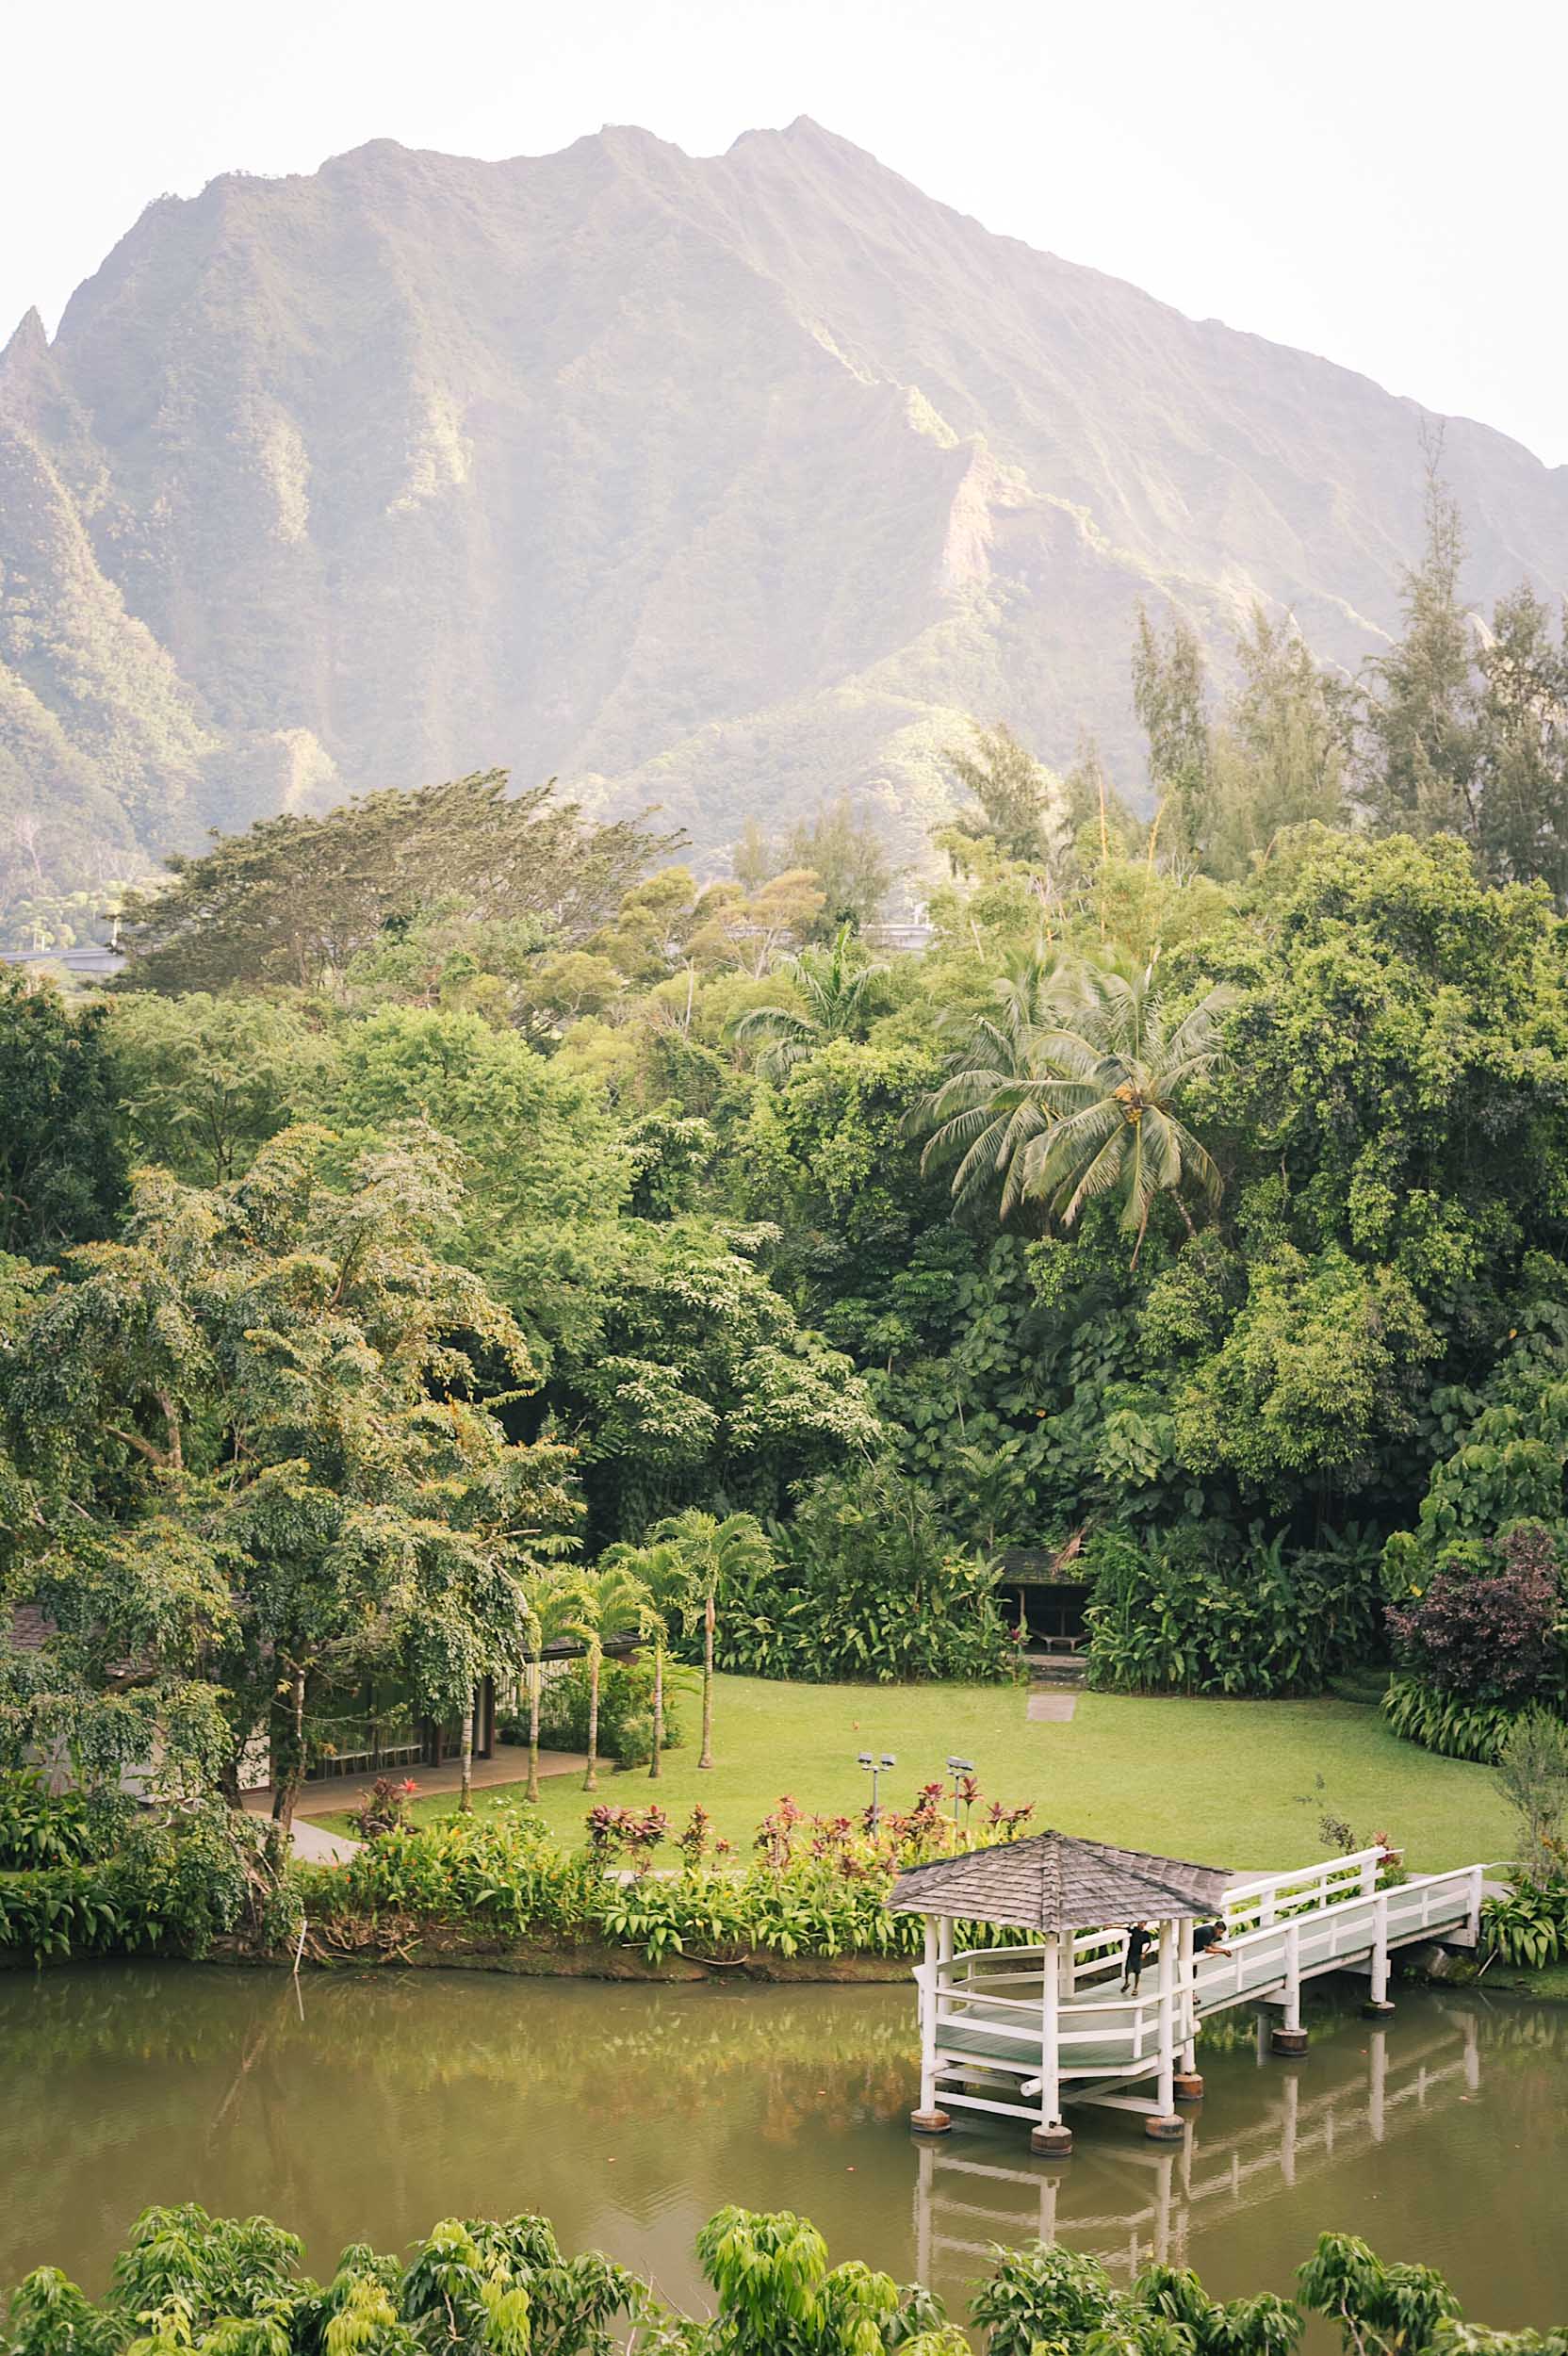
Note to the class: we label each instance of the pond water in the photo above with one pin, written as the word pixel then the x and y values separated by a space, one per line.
pixel 365 2106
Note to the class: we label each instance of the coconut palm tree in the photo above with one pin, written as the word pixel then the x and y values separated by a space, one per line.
pixel 831 987
pixel 607 1602
pixel 546 1598
pixel 996 1101
pixel 661 1569
pixel 1114 1130
pixel 1072 1091
pixel 715 1553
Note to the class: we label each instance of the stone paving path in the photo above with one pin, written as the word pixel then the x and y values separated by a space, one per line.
pixel 1053 1708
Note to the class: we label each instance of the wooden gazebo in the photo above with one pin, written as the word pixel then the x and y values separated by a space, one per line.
pixel 1003 2028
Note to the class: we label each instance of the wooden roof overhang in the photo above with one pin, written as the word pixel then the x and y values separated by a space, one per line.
pixel 1052 1883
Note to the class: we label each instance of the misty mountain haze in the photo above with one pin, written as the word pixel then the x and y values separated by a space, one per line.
pixel 725 484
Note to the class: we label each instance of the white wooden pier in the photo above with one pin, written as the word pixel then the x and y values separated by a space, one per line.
pixel 1023 2031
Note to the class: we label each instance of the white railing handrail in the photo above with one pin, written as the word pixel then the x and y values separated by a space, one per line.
pixel 1337 1911
pixel 1303 1872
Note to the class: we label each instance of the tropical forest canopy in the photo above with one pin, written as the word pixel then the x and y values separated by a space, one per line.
pixel 457 1183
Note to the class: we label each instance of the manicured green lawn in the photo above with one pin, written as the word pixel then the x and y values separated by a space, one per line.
pixel 1218 1781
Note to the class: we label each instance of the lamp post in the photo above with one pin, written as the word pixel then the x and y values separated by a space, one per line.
pixel 956 1768
pixel 875 1762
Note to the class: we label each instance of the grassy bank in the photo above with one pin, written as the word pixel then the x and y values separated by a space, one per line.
pixel 1220 1781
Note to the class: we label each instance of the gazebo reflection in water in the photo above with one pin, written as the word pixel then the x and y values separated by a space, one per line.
pixel 1139 2202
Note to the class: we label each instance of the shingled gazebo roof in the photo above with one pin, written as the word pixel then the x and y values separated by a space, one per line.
pixel 1052 1883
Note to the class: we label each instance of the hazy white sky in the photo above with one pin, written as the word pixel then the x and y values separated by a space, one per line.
pixel 1380 182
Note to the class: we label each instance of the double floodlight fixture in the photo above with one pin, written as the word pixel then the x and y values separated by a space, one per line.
pixel 874 1764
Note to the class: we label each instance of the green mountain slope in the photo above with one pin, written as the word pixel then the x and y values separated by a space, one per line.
pixel 727 484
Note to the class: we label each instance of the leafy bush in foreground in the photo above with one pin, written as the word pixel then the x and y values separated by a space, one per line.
pixel 1529 1927
pixel 226 2286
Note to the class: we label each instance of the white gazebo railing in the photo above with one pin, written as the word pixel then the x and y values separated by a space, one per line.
pixel 1018 2030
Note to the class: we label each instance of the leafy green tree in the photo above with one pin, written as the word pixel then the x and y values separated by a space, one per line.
pixel 1532 1777
pixel 1020 806
pixel 775 2289
pixel 203 1082
pixel 682 1371
pixel 834 990
pixel 295 899
pixel 1168 695
pixel 537 1145
pixel 845 853
pixel 663 1571
pixel 1280 757
pixel 1092 1111
pixel 996 1101
pixel 716 1553
pixel 1522 745
pixel 62 1173
pixel 261 1448
pixel 1418 768
pixel 1381 2310
pixel 546 1609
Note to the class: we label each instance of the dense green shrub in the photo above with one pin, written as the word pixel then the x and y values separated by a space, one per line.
pixel 814 1886
pixel 866 1585
pixel 41 1829
pixel 1490 1630
pixel 1447 1722
pixel 482 2286
pixel 626 1713
pixel 500 1871
pixel 177 1879
pixel 1197 1612
pixel 1529 1927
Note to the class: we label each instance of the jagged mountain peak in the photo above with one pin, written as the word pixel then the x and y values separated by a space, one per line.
pixel 727 483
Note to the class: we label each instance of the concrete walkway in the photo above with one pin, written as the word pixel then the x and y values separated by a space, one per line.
pixel 1051 1709
pixel 334 1795
pixel 318 1847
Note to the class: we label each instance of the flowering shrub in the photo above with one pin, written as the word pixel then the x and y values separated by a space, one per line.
pixel 385 1807
pixel 1490 1636
pixel 816 1885
pixel 633 1832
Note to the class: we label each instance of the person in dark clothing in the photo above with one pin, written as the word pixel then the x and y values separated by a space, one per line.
pixel 1139 1940
pixel 1206 1938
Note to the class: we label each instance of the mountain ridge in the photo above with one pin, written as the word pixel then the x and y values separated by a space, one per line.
pixel 726 483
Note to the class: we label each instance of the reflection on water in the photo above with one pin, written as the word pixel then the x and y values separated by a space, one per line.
pixel 1160 2196
pixel 363 2107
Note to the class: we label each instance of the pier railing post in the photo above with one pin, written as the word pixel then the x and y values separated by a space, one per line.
pixel 1050 2137
pixel 1476 1878
pixel 929 2120
pixel 1377 2001
pixel 1164 2124
pixel 1290 2038
pixel 1187 2085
